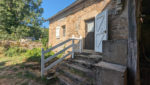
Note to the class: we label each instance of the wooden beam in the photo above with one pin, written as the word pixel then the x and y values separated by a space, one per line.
pixel 133 58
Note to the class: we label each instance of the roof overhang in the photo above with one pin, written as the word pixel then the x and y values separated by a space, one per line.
pixel 66 9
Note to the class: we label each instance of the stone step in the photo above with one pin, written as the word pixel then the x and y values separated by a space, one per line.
pixel 78 80
pixel 81 63
pixel 111 66
pixel 78 70
pixel 89 58
pixel 113 74
pixel 89 52
pixel 65 80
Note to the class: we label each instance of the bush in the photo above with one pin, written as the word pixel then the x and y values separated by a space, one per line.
pixel 35 54
pixel 44 42
pixel 44 37
pixel 14 51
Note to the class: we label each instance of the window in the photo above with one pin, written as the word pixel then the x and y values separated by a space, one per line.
pixel 90 25
pixel 57 32
pixel 64 30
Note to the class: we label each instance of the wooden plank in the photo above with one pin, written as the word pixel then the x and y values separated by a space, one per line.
pixel 133 57
pixel 76 38
pixel 73 48
pixel 57 46
pixel 51 57
pixel 101 30
pixel 42 63
pixel 80 45
pixel 58 61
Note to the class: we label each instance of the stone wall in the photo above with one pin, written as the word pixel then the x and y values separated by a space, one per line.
pixel 118 20
pixel 75 18
pixel 75 21
pixel 26 45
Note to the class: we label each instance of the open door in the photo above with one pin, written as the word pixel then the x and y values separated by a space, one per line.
pixel 89 39
pixel 101 30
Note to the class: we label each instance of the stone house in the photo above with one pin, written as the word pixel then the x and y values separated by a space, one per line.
pixel 110 29
pixel 79 20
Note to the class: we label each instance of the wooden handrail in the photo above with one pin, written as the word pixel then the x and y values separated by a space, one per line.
pixel 56 62
pixel 43 60
pixel 55 55
pixel 58 45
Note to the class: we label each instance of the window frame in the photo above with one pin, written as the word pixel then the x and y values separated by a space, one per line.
pixel 58 32
pixel 64 30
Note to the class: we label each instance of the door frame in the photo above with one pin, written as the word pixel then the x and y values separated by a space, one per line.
pixel 89 19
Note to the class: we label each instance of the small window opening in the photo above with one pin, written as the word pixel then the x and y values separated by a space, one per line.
pixel 64 30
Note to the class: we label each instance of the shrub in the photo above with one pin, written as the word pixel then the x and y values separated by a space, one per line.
pixel 44 37
pixel 35 54
pixel 44 42
pixel 14 51
pixel 49 54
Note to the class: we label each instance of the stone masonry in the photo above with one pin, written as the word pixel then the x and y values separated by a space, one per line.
pixel 75 17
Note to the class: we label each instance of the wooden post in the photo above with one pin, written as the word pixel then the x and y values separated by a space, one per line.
pixel 80 44
pixel 42 62
pixel 133 57
pixel 72 48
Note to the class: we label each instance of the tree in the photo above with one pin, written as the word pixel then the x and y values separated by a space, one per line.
pixel 20 17
pixel 45 37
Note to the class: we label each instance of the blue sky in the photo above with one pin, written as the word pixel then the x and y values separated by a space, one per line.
pixel 51 7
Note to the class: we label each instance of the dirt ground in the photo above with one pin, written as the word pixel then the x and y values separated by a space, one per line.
pixel 18 71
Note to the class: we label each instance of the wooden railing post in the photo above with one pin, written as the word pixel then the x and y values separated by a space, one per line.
pixel 80 44
pixel 42 62
pixel 72 48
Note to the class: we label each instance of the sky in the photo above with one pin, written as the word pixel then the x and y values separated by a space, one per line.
pixel 51 7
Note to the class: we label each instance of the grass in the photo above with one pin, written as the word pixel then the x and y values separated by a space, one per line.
pixel 14 51
pixel 21 70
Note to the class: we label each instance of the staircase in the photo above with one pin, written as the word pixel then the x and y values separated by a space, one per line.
pixel 80 70
pixel 87 67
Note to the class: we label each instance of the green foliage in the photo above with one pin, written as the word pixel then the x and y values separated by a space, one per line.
pixel 35 54
pixel 6 36
pixel 60 55
pixel 44 42
pixel 14 51
pixel 49 54
pixel 45 38
pixel 20 18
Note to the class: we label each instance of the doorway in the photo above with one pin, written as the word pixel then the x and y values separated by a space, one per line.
pixel 89 33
